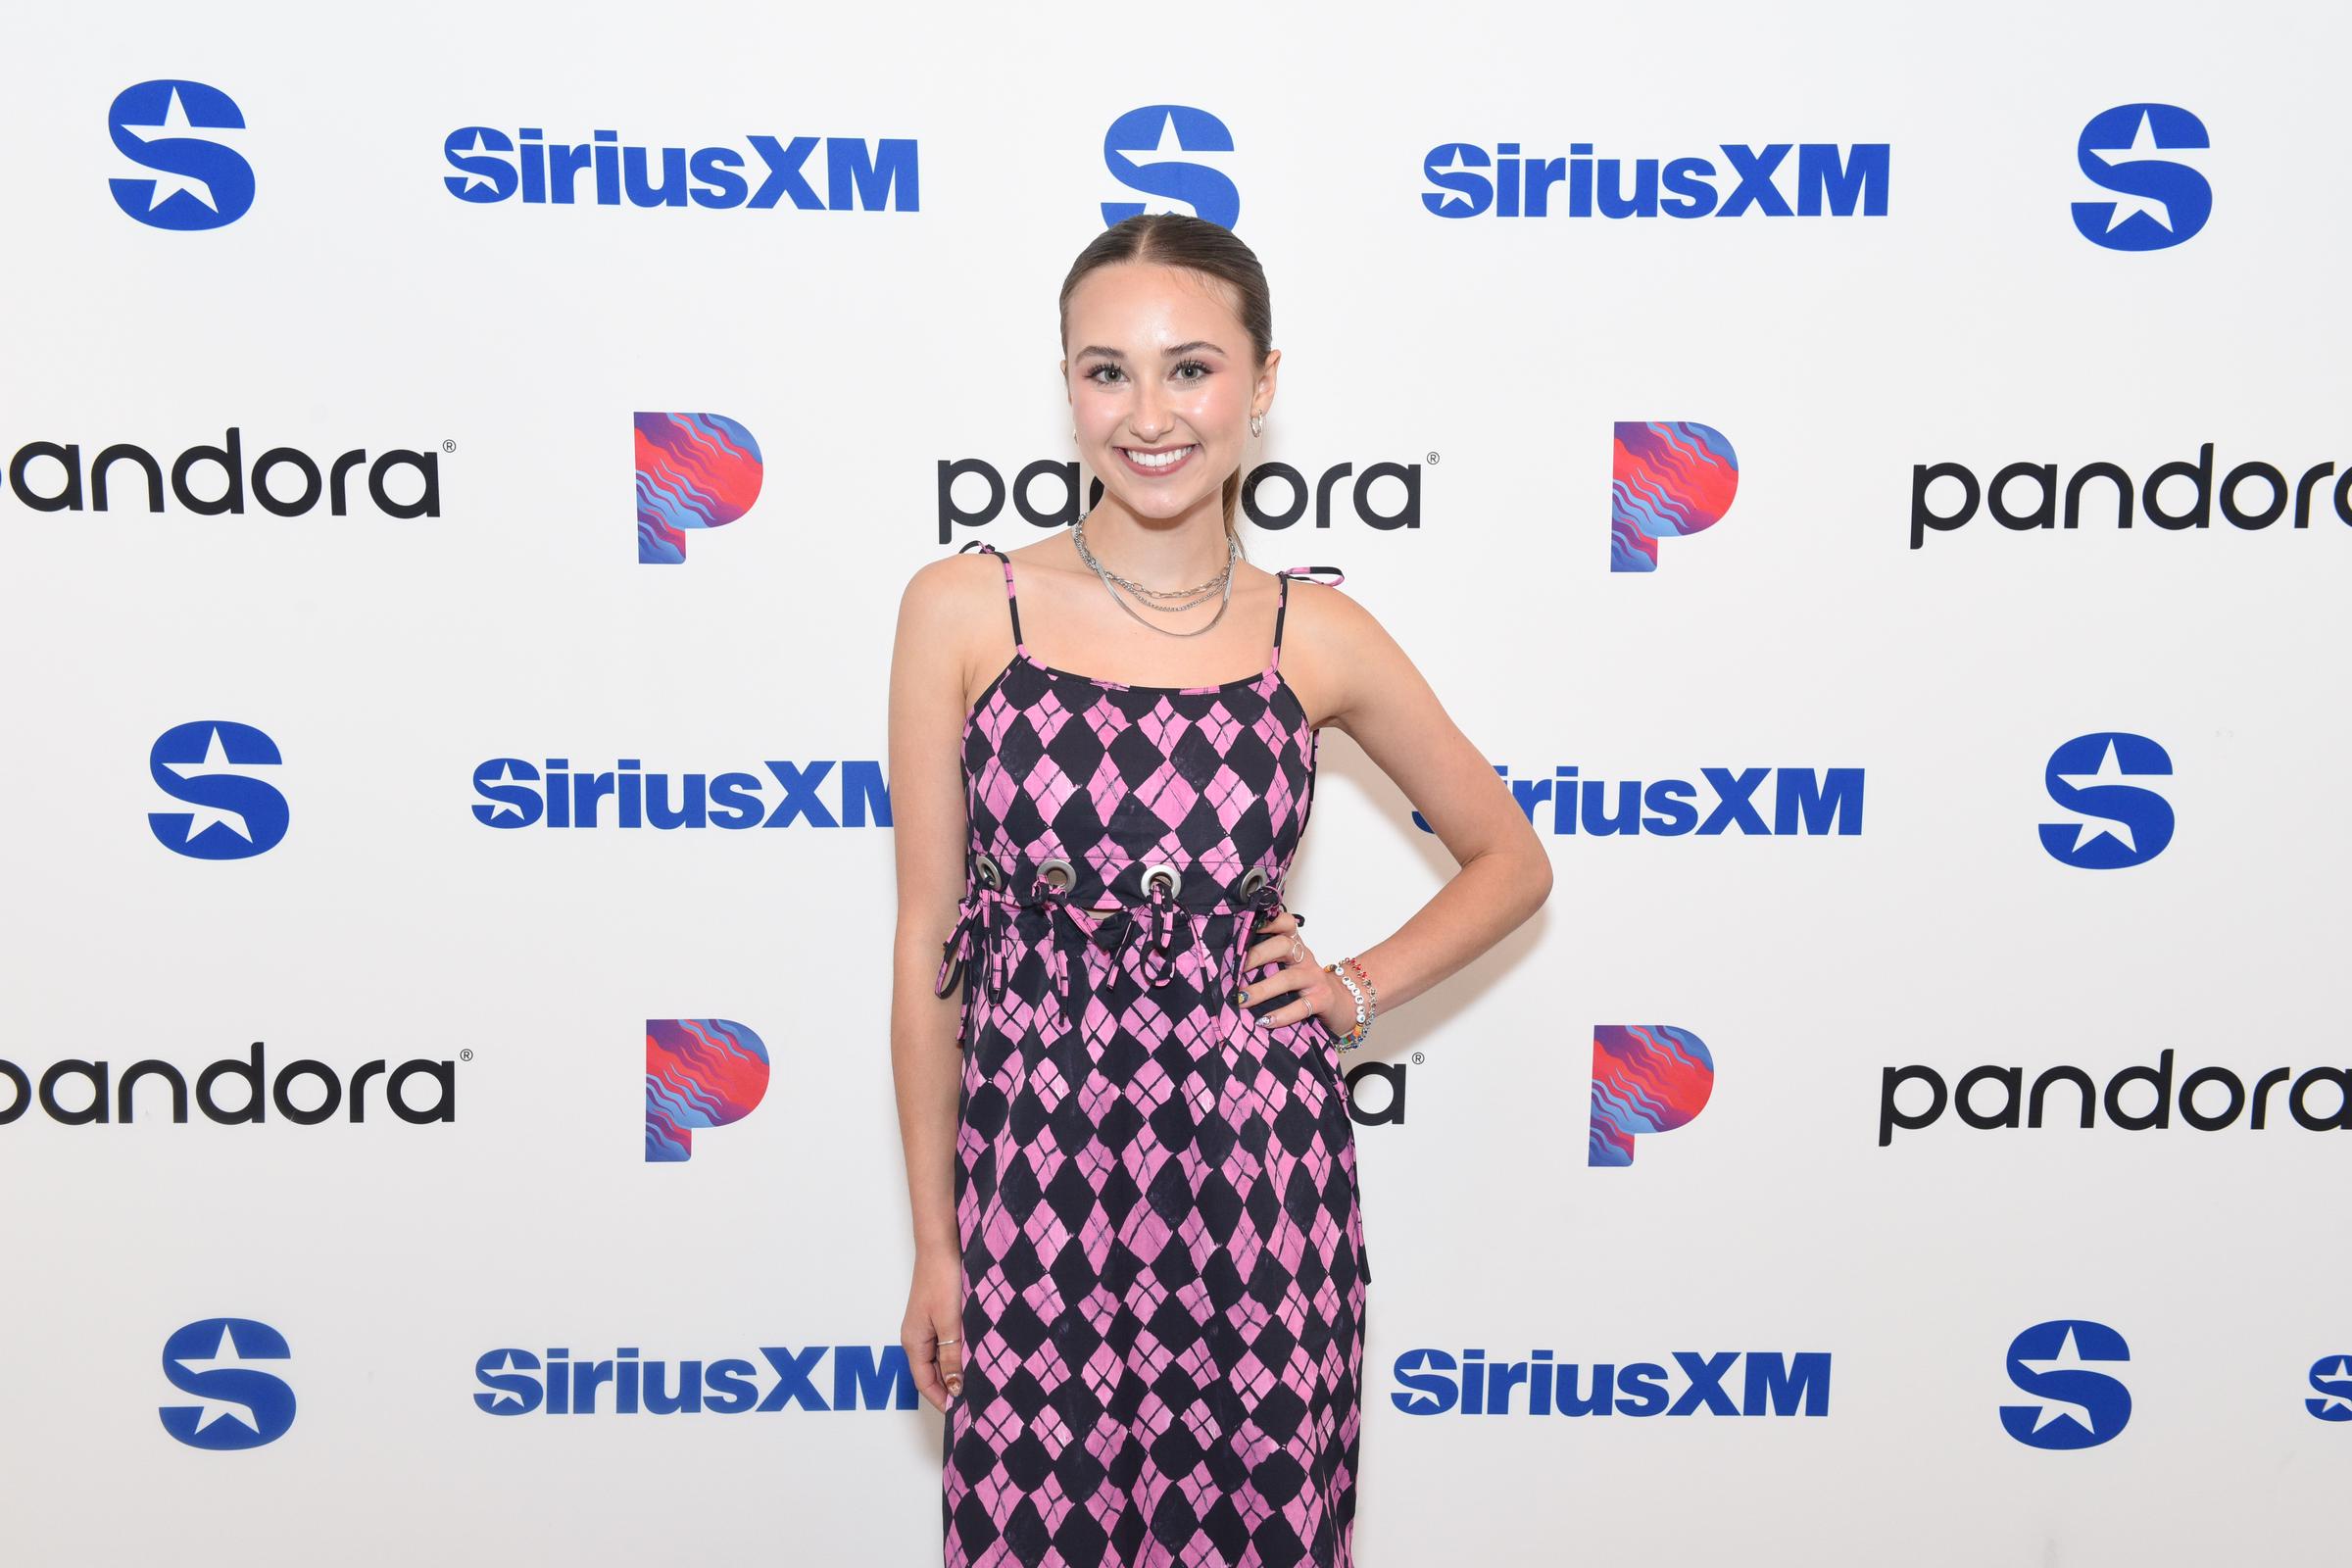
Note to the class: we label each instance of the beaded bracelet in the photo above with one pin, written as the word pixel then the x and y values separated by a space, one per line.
pixel 1367 1001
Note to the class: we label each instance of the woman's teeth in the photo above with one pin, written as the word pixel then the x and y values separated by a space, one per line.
pixel 1158 459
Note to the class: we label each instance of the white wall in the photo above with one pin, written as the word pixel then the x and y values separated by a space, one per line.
pixel 358 304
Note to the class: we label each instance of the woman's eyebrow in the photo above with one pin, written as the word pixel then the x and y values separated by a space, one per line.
pixel 1181 348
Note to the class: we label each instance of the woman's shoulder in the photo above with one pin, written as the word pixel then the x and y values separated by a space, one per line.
pixel 956 575
pixel 1328 603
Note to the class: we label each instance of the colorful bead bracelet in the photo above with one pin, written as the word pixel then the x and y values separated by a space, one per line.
pixel 1367 999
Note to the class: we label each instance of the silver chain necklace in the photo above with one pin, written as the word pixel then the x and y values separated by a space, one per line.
pixel 1113 582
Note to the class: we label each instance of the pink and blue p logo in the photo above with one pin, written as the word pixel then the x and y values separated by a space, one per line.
pixel 694 470
pixel 1670 480
pixel 1646 1078
pixel 699 1072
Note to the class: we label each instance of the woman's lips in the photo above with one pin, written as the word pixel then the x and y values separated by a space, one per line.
pixel 1160 470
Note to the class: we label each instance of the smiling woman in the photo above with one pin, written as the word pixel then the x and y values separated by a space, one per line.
pixel 1141 1269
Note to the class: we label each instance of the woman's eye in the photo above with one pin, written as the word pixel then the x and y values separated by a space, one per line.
pixel 1099 371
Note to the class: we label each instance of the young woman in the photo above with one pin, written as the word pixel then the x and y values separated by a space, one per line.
pixel 1140 1265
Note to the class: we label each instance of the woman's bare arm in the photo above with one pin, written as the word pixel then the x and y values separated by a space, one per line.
pixel 1381 701
pixel 929 826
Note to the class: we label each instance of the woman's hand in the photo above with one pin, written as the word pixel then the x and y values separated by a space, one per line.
pixel 1315 994
pixel 934 1313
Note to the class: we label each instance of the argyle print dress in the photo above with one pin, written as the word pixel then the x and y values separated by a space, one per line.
pixel 1155 1190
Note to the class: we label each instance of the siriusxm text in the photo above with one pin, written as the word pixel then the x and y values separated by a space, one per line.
pixel 864 1377
pixel 1803 801
pixel 1433 1381
pixel 1830 181
pixel 520 794
pixel 860 175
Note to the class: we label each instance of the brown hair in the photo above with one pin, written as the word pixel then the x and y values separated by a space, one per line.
pixel 1178 239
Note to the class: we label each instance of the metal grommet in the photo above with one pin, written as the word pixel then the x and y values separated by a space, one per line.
pixel 1047 873
pixel 1256 879
pixel 1161 868
pixel 989 873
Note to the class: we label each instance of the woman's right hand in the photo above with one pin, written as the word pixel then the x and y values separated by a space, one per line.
pixel 935 1311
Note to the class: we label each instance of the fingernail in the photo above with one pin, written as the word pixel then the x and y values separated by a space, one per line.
pixel 1300 919
pixel 1242 996
pixel 954 1384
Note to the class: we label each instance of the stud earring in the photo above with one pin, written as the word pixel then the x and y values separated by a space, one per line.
pixel 1257 425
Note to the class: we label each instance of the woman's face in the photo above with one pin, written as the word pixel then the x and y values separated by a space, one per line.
pixel 1163 382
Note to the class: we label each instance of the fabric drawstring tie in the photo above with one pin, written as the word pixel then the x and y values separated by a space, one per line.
pixel 974 950
pixel 975 937
pixel 1158 927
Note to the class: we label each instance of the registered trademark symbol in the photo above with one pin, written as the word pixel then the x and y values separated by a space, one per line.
pixel 466 1056
pixel 1416 1058
pixel 449 446
pixel 1433 457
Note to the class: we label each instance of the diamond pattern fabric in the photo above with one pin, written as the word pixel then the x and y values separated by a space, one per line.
pixel 1155 1190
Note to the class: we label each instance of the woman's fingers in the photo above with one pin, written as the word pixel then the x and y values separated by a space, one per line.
pixel 1280 945
pixel 920 1349
pixel 951 1365
pixel 934 1345
pixel 1275 938
pixel 1278 950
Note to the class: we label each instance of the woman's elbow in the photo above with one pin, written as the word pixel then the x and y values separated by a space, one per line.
pixel 1538 879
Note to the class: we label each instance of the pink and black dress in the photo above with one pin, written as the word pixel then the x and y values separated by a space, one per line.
pixel 1155 1190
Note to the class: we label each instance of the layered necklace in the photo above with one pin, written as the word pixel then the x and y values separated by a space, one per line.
pixel 1174 599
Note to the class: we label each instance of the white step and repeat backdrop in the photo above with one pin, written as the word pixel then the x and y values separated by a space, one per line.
pixel 1875 483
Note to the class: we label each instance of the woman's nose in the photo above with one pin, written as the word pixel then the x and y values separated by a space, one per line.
pixel 1150 420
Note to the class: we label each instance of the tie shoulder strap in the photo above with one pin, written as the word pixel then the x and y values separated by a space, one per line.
pixel 1283 608
pixel 1013 600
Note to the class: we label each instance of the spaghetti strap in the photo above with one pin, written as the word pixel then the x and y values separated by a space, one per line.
pixel 1012 601
pixel 1282 608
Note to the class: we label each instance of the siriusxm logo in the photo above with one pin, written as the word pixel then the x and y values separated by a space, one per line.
pixel 519 794
pixel 238 1404
pixel 232 816
pixel 699 1072
pixel 1646 1079
pixel 864 1376
pixel 1805 803
pixel 1165 131
pixel 2332 1381
pixel 860 175
pixel 1669 480
pixel 50 477
pixel 1434 1383
pixel 1831 179
pixel 2156 202
pixel 975 504
pixel 2074 1407
pixel 2210 1099
pixel 194 180
pixel 2120 824
pixel 694 470
pixel 2026 497
pixel 87 1083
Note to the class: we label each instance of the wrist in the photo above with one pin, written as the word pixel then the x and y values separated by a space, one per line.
pixel 1364 998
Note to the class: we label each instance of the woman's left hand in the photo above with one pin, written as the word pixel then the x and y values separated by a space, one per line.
pixel 1314 993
